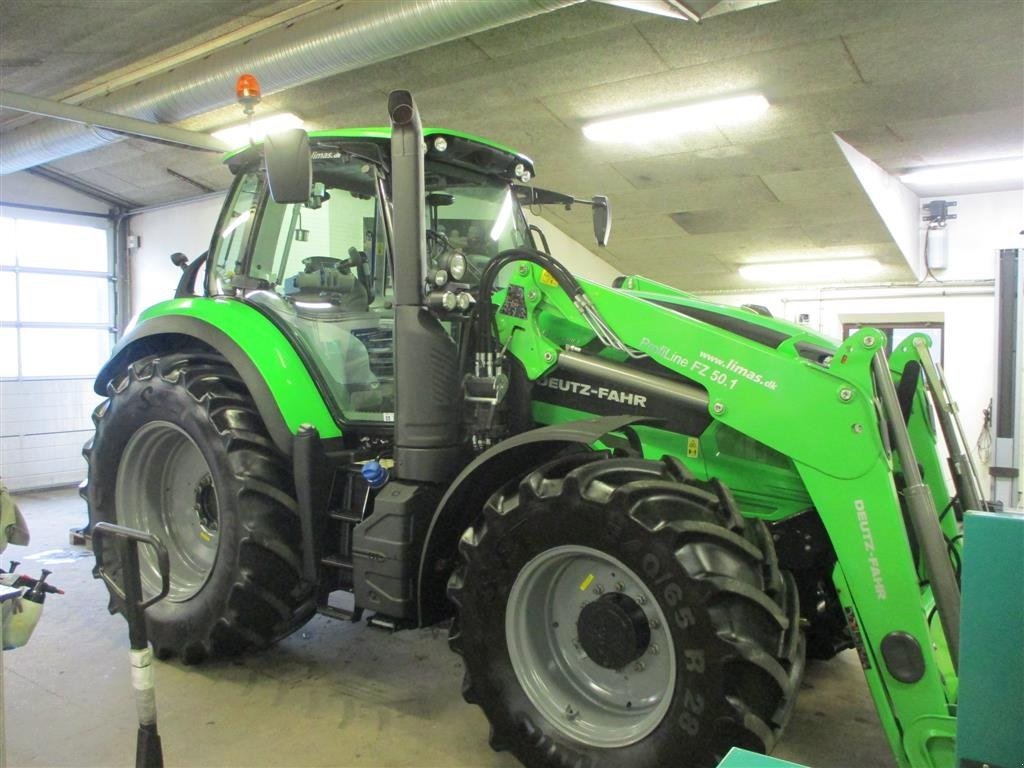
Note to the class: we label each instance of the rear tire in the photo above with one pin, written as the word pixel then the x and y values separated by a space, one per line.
pixel 181 452
pixel 615 612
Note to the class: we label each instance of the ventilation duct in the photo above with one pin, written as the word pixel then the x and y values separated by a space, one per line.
pixel 354 35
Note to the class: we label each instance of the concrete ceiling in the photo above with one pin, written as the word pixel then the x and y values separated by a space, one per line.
pixel 906 82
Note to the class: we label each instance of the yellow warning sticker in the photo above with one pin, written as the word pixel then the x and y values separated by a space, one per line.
pixel 546 278
pixel 692 447
pixel 587 582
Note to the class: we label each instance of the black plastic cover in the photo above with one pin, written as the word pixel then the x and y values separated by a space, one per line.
pixel 386 548
pixel 903 657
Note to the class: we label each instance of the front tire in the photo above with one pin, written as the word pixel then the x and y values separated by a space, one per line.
pixel 181 452
pixel 614 612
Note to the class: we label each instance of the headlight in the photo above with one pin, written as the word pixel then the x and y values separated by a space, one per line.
pixel 457 266
pixel 440 144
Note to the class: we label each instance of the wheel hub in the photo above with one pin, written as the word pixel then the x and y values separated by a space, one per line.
pixel 164 486
pixel 205 507
pixel 590 646
pixel 613 630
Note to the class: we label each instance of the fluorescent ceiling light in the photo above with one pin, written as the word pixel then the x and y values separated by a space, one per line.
pixel 664 123
pixel 243 133
pixel 1006 169
pixel 821 271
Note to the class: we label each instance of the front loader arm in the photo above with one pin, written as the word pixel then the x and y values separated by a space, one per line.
pixel 827 414
pixel 762 391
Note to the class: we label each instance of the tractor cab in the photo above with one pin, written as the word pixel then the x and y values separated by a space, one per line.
pixel 322 268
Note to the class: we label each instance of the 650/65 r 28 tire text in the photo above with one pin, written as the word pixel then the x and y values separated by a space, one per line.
pixel 181 452
pixel 615 612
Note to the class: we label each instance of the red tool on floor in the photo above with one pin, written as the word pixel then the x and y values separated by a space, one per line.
pixel 125 584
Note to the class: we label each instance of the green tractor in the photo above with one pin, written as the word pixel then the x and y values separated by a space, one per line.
pixel 640 510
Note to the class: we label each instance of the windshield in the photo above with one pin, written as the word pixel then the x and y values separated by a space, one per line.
pixel 323 268
pixel 471 213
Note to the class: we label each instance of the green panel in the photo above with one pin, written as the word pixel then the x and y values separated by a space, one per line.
pixel 766 393
pixel 878 587
pixel 293 389
pixel 741 758
pixel 990 726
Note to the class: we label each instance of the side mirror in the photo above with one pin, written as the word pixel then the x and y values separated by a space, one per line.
pixel 602 219
pixel 289 165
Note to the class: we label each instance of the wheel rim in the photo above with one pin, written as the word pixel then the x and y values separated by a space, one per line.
pixel 581 698
pixel 164 486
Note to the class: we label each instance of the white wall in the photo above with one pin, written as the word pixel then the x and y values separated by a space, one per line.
pixel 43 423
pixel 896 204
pixel 186 228
pixel 25 188
pixel 985 223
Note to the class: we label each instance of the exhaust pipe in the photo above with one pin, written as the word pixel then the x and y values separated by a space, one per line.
pixel 428 394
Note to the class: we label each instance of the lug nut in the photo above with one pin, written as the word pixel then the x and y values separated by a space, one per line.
pixel 642 599
pixel 655 650
pixel 655 624
pixel 620 587
pixel 639 667
pixel 598 589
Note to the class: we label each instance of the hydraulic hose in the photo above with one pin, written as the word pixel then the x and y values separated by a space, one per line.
pixel 485 309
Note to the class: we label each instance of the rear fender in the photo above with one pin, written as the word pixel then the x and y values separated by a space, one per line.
pixel 285 393
pixel 466 496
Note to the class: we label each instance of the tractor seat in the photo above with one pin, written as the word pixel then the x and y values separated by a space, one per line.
pixel 327 283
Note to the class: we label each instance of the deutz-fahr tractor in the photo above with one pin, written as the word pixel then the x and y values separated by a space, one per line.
pixel 639 510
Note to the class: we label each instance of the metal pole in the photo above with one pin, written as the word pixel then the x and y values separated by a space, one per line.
pixel 130 600
pixel 118 123
pixel 921 509
pixel 965 477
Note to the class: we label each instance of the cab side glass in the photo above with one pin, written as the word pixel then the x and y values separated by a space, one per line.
pixel 227 268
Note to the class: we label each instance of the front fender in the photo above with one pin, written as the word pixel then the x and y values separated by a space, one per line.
pixel 285 393
pixel 466 496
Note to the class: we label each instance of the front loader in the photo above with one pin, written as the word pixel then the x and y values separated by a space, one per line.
pixel 641 510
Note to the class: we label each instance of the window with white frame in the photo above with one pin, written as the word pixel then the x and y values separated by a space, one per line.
pixel 56 298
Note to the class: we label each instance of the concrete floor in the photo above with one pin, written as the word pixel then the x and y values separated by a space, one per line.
pixel 333 694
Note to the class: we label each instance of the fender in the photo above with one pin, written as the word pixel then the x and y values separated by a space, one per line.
pixel 468 493
pixel 285 393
